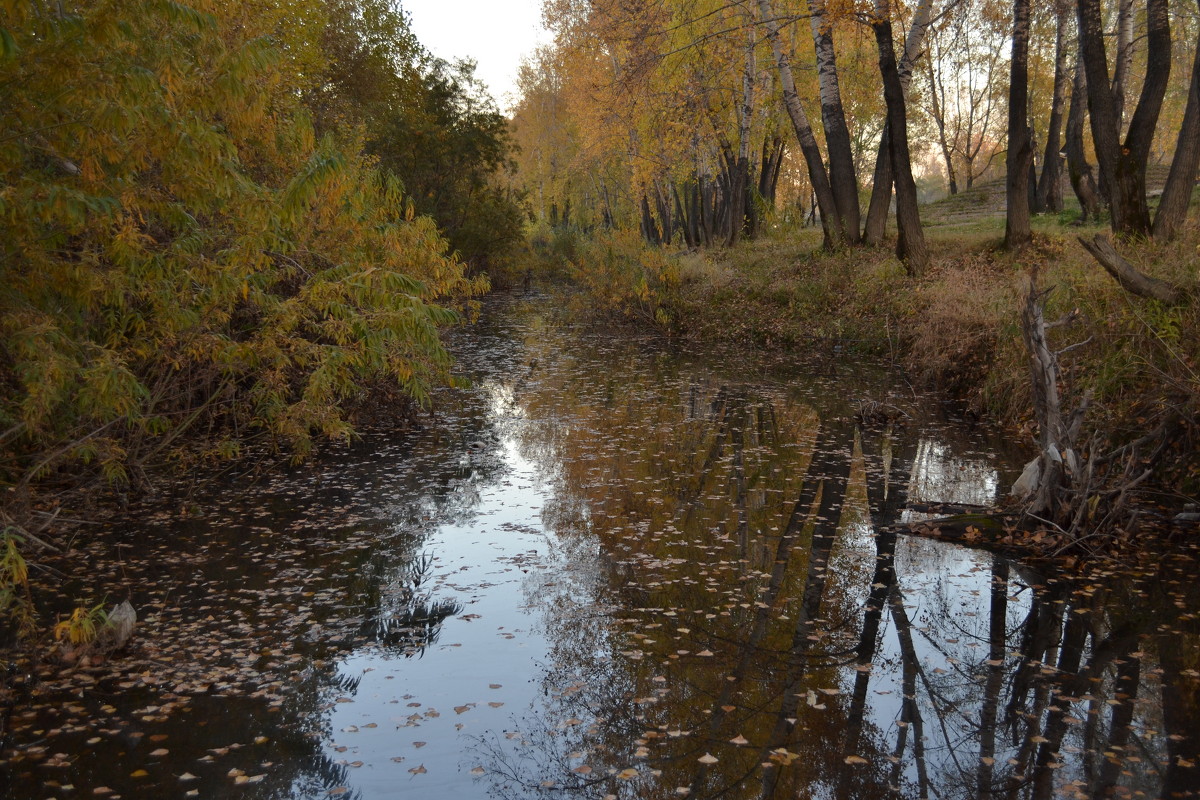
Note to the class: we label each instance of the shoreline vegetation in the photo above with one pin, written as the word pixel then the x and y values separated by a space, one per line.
pixel 957 330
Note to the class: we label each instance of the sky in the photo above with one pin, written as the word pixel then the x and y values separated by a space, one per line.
pixel 496 33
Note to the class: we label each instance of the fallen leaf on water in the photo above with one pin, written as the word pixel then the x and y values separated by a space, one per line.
pixel 159 753
pixel 478 771
pixel 582 769
pixel 626 774
pixel 784 756
pixel 138 773
pixel 708 758
pixel 338 790
pixel 419 770
pixel 739 739
pixel 856 760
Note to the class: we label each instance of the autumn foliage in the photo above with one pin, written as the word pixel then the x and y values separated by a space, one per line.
pixel 196 248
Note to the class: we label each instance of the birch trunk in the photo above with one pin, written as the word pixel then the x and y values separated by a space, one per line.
pixel 835 235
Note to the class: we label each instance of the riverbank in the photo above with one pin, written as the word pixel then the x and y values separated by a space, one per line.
pixel 956 330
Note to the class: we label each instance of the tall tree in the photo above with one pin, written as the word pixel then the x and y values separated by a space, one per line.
pixel 1177 194
pixel 881 189
pixel 910 245
pixel 831 220
pixel 837 136
pixel 1123 165
pixel 1017 233
pixel 1049 188
pixel 1083 180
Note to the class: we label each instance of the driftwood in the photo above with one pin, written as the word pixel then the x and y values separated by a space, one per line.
pixel 1059 467
pixel 1130 278
pixel 1007 533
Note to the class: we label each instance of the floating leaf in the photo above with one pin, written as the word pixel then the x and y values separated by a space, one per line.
pixel 708 758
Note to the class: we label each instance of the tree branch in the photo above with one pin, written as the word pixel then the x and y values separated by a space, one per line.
pixel 1128 275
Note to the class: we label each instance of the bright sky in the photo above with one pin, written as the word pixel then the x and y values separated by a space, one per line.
pixel 495 33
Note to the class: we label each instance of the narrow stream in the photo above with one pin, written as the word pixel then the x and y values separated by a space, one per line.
pixel 612 569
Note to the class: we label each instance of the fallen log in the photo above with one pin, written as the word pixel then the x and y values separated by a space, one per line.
pixel 1130 278
pixel 1007 533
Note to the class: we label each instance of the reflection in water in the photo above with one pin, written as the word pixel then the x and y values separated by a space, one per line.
pixel 939 476
pixel 611 570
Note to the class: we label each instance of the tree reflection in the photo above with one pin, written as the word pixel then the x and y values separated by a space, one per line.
pixel 768 636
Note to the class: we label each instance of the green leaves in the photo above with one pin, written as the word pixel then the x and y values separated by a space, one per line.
pixel 8 45
pixel 180 252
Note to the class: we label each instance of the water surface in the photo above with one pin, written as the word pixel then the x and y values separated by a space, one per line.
pixel 612 568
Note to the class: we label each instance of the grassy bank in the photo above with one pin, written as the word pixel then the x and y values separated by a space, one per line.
pixel 957 329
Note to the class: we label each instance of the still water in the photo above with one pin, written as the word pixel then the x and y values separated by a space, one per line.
pixel 614 569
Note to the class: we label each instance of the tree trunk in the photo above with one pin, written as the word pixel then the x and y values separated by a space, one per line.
pixel 649 229
pixel 1124 59
pixel 1123 168
pixel 1083 181
pixel 1017 233
pixel 881 188
pixel 875 228
pixel 936 109
pixel 830 220
pixel 1177 194
pixel 768 176
pixel 837 136
pixel 911 240
pixel 685 219
pixel 1049 188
